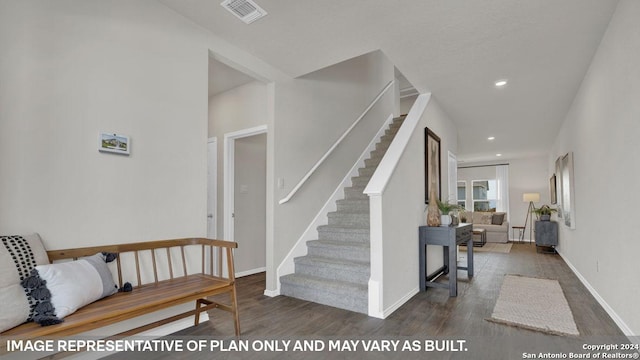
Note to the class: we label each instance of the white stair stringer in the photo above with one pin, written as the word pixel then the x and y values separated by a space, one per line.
pixel 335 267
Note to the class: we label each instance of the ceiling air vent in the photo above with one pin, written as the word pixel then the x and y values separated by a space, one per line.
pixel 245 10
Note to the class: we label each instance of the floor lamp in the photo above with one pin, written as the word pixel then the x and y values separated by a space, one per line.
pixel 530 198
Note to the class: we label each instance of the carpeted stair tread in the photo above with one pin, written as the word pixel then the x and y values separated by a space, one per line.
pixel 344 232
pixel 360 180
pixel 366 171
pixel 344 245
pixel 353 218
pixel 353 204
pixel 372 162
pixel 340 249
pixel 333 269
pixel 349 212
pixel 356 265
pixel 345 228
pixel 355 192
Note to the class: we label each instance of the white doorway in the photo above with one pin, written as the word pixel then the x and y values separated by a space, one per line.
pixel 245 197
pixel 212 188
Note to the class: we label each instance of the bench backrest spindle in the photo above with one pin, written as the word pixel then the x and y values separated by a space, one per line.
pixel 184 261
pixel 137 268
pixel 155 266
pixel 169 263
pixel 219 262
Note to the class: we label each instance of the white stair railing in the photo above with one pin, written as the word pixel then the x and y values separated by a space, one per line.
pixel 334 146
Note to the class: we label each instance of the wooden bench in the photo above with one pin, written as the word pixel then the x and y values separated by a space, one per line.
pixel 146 297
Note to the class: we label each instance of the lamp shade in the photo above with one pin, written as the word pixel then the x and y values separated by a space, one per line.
pixel 529 197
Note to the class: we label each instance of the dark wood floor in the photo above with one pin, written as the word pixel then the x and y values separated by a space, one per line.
pixel 427 315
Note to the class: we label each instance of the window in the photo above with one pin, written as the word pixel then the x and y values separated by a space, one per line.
pixel 462 194
pixel 484 195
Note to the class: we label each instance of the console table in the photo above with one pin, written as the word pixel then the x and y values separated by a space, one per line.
pixel 449 237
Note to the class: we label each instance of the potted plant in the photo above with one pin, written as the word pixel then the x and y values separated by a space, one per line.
pixel 446 208
pixel 544 212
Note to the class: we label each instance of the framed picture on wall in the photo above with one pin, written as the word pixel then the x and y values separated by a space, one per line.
pixel 568 196
pixel 431 164
pixel 552 189
pixel 559 186
pixel 113 143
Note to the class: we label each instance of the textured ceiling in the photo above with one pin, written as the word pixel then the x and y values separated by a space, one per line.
pixel 456 49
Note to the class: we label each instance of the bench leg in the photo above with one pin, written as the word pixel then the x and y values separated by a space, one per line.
pixel 198 311
pixel 208 304
pixel 234 306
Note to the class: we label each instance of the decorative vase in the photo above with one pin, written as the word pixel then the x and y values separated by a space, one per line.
pixel 445 220
pixel 433 212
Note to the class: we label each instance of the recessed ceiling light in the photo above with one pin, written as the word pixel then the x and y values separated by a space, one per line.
pixel 501 83
pixel 491 138
pixel 498 154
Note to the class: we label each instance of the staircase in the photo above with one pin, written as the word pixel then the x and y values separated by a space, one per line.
pixel 336 269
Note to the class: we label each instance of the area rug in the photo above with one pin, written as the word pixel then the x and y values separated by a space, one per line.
pixel 491 247
pixel 535 304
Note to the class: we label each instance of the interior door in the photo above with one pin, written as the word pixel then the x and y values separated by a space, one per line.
pixel 250 196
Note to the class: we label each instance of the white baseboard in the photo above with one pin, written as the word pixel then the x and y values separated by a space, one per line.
pixel 388 311
pixel 272 293
pixel 616 318
pixel 374 303
pixel 251 272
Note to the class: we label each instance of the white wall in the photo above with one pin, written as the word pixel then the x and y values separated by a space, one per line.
pixel 311 113
pixel 602 130
pixel 406 103
pixel 240 108
pixel 405 190
pixel 525 176
pixel 71 69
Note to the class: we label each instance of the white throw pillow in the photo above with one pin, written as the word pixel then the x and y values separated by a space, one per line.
pixel 69 286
